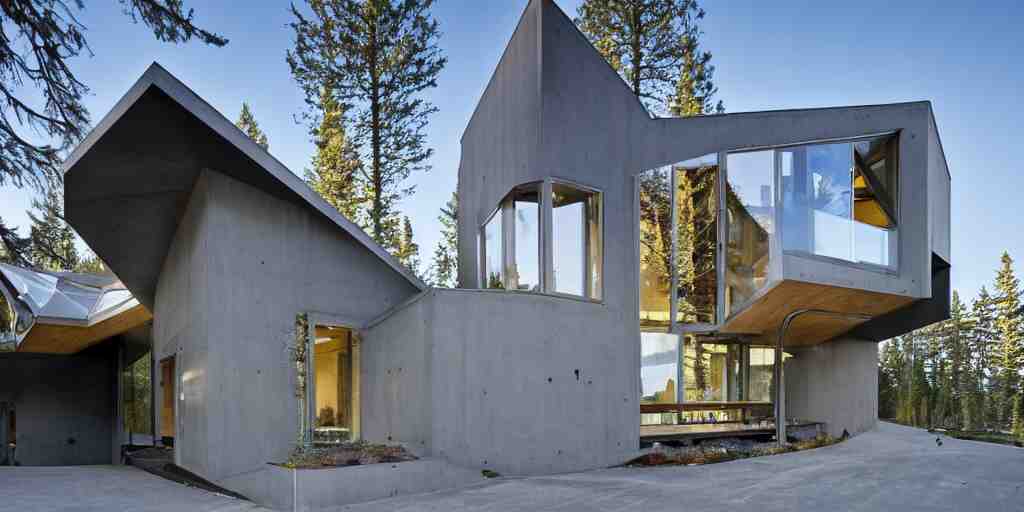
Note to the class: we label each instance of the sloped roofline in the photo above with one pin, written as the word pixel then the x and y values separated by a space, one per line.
pixel 158 77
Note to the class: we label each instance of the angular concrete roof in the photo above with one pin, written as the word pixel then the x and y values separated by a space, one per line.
pixel 127 183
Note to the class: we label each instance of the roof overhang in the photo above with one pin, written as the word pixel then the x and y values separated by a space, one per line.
pixel 127 183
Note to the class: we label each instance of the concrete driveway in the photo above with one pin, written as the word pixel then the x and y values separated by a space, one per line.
pixel 892 468
pixel 109 488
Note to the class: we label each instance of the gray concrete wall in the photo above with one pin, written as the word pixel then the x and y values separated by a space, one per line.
pixel 65 406
pixel 515 382
pixel 241 266
pixel 835 383
pixel 500 145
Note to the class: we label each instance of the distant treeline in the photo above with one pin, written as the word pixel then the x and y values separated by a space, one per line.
pixel 963 373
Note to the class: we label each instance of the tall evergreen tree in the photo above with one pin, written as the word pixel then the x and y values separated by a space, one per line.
pixel 379 56
pixel 983 340
pixel 695 89
pixel 40 39
pixel 408 250
pixel 445 268
pixel 247 123
pixel 337 172
pixel 651 44
pixel 52 241
pixel 1009 351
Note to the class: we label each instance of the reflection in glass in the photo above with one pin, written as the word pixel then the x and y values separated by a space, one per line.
pixel 697 240
pixel 575 231
pixel 494 275
pixel 335 365
pixel 750 208
pixel 711 371
pixel 659 361
pixel 762 359
pixel 839 200
pixel 655 248
pixel 526 207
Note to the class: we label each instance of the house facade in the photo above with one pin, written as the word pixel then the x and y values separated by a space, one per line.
pixel 617 272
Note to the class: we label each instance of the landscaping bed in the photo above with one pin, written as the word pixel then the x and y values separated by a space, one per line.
pixel 985 437
pixel 722 450
pixel 355 453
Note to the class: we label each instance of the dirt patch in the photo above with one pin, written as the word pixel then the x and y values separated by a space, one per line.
pixel 357 453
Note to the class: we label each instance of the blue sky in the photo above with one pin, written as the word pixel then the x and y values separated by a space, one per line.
pixel 769 55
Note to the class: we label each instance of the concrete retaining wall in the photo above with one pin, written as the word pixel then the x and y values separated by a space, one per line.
pixel 835 383
pixel 515 382
pixel 305 490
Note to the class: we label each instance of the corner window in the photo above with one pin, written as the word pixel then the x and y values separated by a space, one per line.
pixel 491 248
pixel 576 241
pixel 839 200
pixel 514 252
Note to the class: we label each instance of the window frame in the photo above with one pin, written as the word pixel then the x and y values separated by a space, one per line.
pixel 314 319
pixel 545 256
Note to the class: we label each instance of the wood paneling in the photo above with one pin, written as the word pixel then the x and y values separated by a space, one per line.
pixel 67 339
pixel 766 314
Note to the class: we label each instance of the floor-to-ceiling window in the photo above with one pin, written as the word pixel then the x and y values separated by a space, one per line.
pixel 335 385
pixel 750 206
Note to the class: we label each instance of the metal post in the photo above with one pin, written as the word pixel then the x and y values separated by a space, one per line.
pixel 779 377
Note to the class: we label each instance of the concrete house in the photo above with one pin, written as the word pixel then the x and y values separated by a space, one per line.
pixel 622 277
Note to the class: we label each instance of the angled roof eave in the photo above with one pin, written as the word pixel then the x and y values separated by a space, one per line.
pixel 157 76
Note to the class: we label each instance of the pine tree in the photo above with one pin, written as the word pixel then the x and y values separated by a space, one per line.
pixel 43 114
pixel 337 172
pixel 1009 351
pixel 652 44
pixel 247 123
pixel 695 89
pixel 445 268
pixel 1018 417
pixel 378 56
pixel 983 340
pixel 90 263
pixel 52 241
pixel 408 250
pixel 13 248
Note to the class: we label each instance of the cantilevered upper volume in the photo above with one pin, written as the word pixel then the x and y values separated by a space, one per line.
pixel 555 112
pixel 128 182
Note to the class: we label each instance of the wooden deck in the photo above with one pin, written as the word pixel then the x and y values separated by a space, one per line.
pixel 654 433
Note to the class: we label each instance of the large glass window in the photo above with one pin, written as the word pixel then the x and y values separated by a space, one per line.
pixel 659 366
pixel 696 193
pixel 513 242
pixel 839 200
pixel 526 210
pixel 335 370
pixel 750 206
pixel 762 361
pixel 493 266
pixel 655 248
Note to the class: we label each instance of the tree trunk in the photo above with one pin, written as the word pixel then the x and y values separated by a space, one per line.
pixel 377 208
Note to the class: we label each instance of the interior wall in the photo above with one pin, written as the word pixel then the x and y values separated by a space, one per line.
pixel 65 406
pixel 515 382
pixel 836 383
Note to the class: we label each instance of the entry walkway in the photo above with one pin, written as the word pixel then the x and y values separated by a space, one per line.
pixel 891 468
